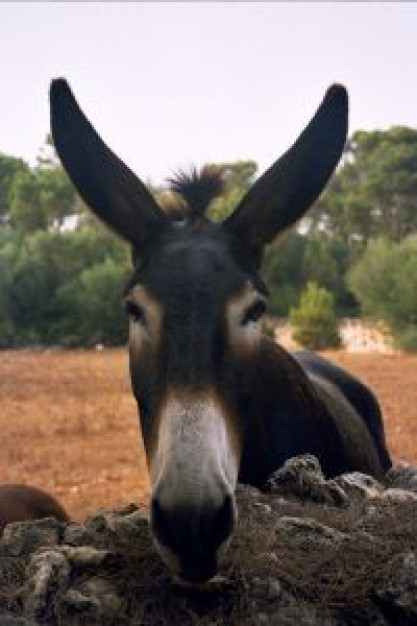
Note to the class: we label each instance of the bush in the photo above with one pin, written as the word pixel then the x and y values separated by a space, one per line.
pixel 314 320
pixel 385 282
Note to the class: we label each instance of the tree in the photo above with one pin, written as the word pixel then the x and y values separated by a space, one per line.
pixel 26 211
pixel 9 168
pixel 282 271
pixel 326 260
pixel 238 177
pixel 375 190
pixel 314 320
pixel 92 305
pixel 385 282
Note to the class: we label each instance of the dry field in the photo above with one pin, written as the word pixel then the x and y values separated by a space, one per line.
pixel 68 422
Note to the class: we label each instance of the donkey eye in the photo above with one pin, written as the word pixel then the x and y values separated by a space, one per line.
pixel 135 312
pixel 254 312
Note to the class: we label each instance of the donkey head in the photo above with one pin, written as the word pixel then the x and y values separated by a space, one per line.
pixel 195 303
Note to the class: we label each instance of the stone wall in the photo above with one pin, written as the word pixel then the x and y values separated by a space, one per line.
pixel 306 552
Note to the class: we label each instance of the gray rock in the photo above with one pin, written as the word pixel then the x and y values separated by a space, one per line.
pixel 359 486
pixel 47 579
pixel 301 477
pixel 266 589
pixel 78 535
pixel 95 597
pixel 127 526
pixel 85 556
pixel 25 537
pixel 395 494
pixel 398 594
pixel 402 476
pixel 7 619
pixel 307 531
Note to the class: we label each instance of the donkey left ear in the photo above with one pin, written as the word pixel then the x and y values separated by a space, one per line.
pixel 287 189
pixel 106 184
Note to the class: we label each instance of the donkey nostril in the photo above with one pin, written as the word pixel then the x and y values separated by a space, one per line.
pixel 160 523
pixel 223 523
pixel 192 533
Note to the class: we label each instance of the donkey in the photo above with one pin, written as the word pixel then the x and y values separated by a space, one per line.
pixel 23 503
pixel 218 402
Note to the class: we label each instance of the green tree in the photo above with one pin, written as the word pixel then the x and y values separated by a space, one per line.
pixel 282 271
pixel 92 303
pixel 374 191
pixel 26 211
pixel 238 177
pixel 10 244
pixel 326 260
pixel 314 320
pixel 384 281
pixel 9 168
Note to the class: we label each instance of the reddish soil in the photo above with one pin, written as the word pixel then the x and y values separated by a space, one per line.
pixel 69 423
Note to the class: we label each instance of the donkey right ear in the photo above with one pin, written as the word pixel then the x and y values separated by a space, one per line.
pixel 285 192
pixel 103 181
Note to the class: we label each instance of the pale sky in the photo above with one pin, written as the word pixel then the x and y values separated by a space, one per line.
pixel 172 84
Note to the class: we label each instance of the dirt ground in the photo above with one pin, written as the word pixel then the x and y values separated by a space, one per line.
pixel 69 425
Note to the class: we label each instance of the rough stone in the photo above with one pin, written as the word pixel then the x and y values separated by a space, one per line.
pixel 359 486
pixel 402 476
pixel 301 477
pixel 398 594
pixel 395 494
pixel 25 537
pixel 307 531
pixel 94 597
pixel 297 557
pixel 47 579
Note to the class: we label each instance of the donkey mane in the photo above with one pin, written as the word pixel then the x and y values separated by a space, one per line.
pixel 193 192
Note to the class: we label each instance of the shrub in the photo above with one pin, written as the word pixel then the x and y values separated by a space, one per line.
pixel 385 282
pixel 314 320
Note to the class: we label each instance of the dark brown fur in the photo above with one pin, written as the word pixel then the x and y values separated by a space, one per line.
pixel 22 503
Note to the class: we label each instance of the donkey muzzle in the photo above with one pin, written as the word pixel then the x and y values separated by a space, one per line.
pixel 189 538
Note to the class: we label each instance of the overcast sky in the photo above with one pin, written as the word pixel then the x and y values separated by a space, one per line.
pixel 171 84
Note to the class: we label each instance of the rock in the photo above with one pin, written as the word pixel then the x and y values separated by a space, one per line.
pixel 359 486
pixel 25 537
pixel 85 556
pixel 291 561
pixel 302 477
pixel 95 597
pixel 127 526
pixel 8 619
pixel 268 589
pixel 307 531
pixel 397 595
pixel 395 494
pixel 261 506
pixel 78 535
pixel 402 476
pixel 47 579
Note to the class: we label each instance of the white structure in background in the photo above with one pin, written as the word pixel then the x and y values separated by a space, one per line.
pixel 356 336
pixel 360 336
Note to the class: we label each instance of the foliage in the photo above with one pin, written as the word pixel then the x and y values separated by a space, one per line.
pixel 282 271
pixel 40 269
pixel 238 178
pixel 60 266
pixel 385 282
pixel 91 306
pixel 375 190
pixel 10 167
pixel 314 320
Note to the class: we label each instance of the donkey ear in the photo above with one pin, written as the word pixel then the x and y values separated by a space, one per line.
pixel 104 182
pixel 288 188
